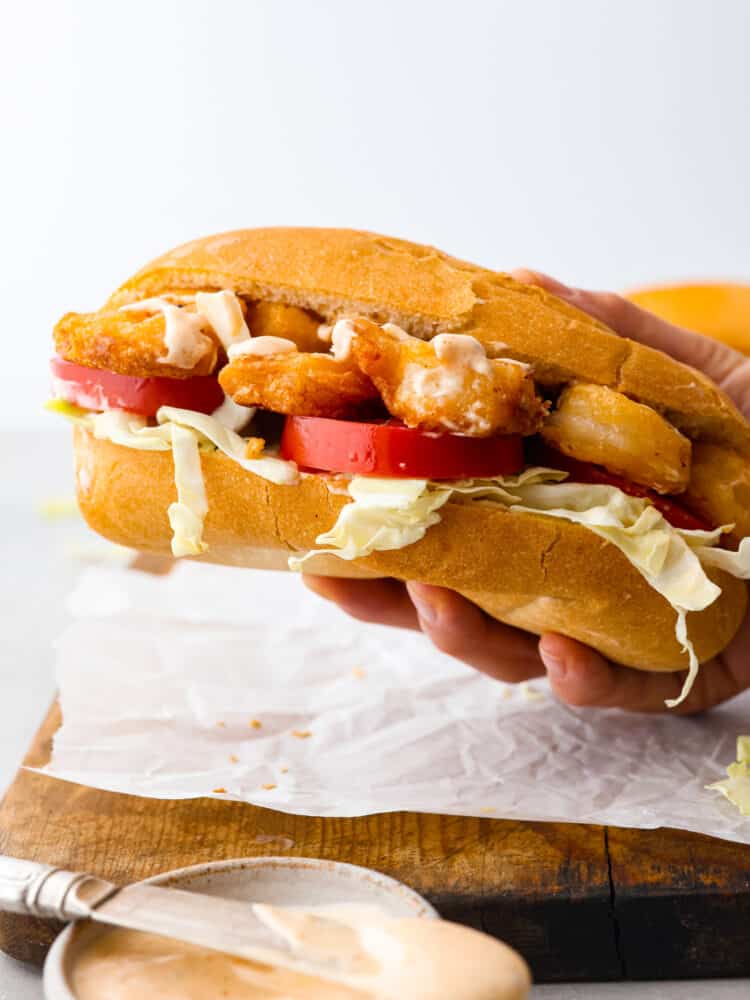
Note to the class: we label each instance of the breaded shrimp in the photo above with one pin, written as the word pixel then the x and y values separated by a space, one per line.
pixel 135 343
pixel 274 319
pixel 595 424
pixel 447 383
pixel 297 383
pixel 719 488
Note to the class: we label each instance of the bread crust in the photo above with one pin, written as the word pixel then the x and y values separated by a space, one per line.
pixel 532 571
pixel 336 271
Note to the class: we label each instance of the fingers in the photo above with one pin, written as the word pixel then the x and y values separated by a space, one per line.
pixel 737 386
pixel 461 629
pixel 455 626
pixel 582 677
pixel 382 602
pixel 578 675
pixel 717 360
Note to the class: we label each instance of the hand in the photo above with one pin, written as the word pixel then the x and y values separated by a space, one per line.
pixel 578 675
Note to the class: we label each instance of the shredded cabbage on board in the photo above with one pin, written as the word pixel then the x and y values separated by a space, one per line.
pixel 736 786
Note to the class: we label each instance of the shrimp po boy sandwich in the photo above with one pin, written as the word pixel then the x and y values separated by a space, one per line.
pixel 359 405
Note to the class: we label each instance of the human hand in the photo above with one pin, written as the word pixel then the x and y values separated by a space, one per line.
pixel 578 674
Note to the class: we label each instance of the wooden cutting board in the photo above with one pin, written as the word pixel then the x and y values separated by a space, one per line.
pixel 579 902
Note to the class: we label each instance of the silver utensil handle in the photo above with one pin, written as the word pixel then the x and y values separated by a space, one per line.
pixel 43 891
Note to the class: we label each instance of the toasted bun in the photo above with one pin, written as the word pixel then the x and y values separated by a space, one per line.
pixel 335 271
pixel 535 572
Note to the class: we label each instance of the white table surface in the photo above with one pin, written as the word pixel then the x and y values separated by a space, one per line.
pixel 37 571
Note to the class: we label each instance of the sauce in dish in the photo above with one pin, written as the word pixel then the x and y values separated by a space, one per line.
pixel 394 958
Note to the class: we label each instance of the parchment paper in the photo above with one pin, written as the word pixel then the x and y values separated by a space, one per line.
pixel 241 684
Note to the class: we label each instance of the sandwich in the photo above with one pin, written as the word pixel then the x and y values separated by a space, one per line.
pixel 356 405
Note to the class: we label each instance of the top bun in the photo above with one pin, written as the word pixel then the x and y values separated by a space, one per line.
pixel 344 271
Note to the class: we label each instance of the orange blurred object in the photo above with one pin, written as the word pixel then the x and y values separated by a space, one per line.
pixel 720 311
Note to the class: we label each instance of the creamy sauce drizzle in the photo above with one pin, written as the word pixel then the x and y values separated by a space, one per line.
pixel 261 347
pixel 341 340
pixel 224 313
pixel 402 958
pixel 459 351
pixel 184 339
pixel 395 331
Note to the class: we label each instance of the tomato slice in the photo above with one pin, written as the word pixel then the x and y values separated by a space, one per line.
pixel 390 449
pixel 584 472
pixel 97 389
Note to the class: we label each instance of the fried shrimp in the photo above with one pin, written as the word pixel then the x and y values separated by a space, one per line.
pixel 595 424
pixel 133 342
pixel 719 488
pixel 295 383
pixel 274 319
pixel 447 383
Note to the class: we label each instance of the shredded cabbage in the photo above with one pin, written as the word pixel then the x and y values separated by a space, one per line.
pixel 75 414
pixel 233 415
pixel 275 470
pixel 392 513
pixel 656 549
pixel 735 563
pixel 54 508
pixel 129 430
pixel 185 433
pixel 187 514
pixel 736 786
pixel 385 514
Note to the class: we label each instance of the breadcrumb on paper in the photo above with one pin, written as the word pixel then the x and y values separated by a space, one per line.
pixel 529 693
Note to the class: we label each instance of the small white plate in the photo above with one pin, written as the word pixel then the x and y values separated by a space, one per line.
pixel 280 881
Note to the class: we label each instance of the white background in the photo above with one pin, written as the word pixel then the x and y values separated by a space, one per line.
pixel 606 142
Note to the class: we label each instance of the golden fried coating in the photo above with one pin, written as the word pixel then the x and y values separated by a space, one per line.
pixel 274 319
pixel 447 383
pixel 595 424
pixel 719 488
pixel 298 384
pixel 127 342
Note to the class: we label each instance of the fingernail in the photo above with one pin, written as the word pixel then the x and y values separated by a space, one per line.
pixel 554 665
pixel 425 608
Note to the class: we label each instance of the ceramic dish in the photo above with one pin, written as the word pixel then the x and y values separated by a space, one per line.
pixel 281 881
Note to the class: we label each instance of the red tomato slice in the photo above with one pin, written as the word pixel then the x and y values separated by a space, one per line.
pixel 584 472
pixel 390 449
pixel 97 389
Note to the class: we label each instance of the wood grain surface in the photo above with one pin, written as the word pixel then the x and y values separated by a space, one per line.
pixel 580 902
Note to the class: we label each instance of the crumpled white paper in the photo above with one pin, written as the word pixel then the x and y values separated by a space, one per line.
pixel 217 678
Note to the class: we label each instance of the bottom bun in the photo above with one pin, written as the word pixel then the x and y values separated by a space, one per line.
pixel 538 573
